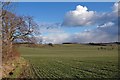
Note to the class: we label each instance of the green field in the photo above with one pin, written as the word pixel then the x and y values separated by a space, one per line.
pixel 71 61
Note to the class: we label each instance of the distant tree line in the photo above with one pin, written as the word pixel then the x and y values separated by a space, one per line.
pixel 97 44
pixel 69 43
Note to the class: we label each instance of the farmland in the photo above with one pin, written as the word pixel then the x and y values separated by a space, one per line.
pixel 71 61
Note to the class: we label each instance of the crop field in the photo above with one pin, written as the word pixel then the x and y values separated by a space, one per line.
pixel 71 61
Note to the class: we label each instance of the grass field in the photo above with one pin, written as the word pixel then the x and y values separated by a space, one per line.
pixel 71 61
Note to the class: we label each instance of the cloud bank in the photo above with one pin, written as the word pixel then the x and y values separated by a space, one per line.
pixel 106 26
pixel 81 16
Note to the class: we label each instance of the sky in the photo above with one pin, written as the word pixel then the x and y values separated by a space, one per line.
pixel 80 22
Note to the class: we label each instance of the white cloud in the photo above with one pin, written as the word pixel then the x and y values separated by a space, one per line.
pixel 106 31
pixel 108 24
pixel 80 37
pixel 115 7
pixel 56 38
pixel 80 16
pixel 83 17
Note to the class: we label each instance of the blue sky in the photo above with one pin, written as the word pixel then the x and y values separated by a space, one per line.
pixel 54 12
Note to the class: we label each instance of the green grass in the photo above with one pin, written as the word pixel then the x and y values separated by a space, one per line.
pixel 72 61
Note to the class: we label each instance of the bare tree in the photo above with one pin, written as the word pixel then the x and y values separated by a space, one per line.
pixel 16 28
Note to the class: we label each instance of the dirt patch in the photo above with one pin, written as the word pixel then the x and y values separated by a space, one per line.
pixel 12 69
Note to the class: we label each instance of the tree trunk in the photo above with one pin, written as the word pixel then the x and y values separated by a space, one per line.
pixel 10 49
pixel 7 50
